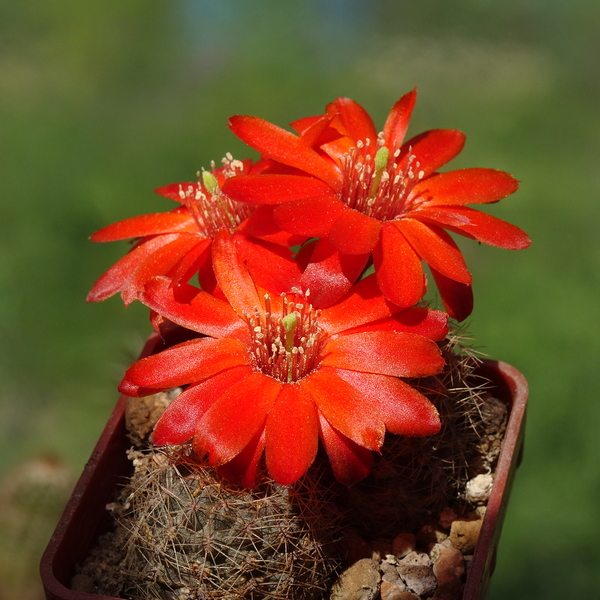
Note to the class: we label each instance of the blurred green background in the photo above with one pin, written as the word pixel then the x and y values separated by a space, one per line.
pixel 101 102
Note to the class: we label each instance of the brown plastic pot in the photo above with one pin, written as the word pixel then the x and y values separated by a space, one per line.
pixel 511 387
pixel 85 516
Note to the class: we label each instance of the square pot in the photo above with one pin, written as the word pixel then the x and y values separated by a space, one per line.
pixel 85 516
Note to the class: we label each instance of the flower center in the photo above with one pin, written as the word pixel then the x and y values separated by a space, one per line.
pixel 286 346
pixel 211 209
pixel 375 183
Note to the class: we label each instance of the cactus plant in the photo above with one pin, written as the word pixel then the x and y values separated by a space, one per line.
pixel 311 363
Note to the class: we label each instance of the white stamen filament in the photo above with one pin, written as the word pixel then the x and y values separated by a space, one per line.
pixel 377 186
pixel 210 208
pixel 286 346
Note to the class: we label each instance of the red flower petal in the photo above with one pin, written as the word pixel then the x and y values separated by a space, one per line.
pixel 396 124
pixel 192 361
pixel 354 233
pixel 385 353
pixel 172 191
pixel 233 420
pixel 363 303
pixel 115 278
pixel 344 409
pixel 465 186
pixel 432 149
pixel 311 128
pixel 270 266
pixel 399 272
pixel 145 225
pixel 432 324
pixel 457 297
pixel 274 189
pixel 329 274
pixel 178 423
pixel 304 253
pixel 338 147
pixel 161 262
pixel 405 411
pixel 232 275
pixel 281 145
pixel 292 435
pixel 311 217
pixel 195 260
pixel 261 224
pixel 477 225
pixel 304 123
pixel 349 461
pixel 355 119
pixel 194 309
pixel 436 248
pixel 164 261
pixel 243 469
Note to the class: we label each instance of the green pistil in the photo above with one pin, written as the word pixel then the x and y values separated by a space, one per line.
pixel 289 324
pixel 381 161
pixel 210 182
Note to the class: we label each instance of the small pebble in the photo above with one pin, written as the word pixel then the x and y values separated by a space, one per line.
pixel 449 567
pixel 417 573
pixel 390 592
pixel 464 534
pixel 479 488
pixel 435 549
pixel 360 581
pixel 390 575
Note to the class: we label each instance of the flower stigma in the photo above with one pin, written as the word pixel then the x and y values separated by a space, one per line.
pixel 210 182
pixel 381 160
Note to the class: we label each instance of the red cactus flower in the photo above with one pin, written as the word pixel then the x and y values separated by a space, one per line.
pixel 177 244
pixel 372 194
pixel 273 374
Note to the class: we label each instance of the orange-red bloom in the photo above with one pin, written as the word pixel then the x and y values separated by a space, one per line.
pixel 370 194
pixel 274 375
pixel 177 244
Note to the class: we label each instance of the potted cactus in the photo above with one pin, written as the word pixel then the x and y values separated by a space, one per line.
pixel 303 424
